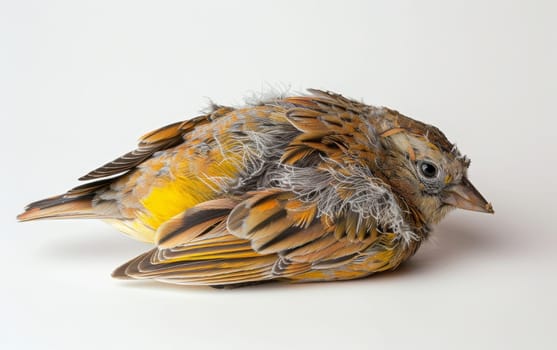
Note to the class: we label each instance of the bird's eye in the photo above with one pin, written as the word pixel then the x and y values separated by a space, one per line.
pixel 428 169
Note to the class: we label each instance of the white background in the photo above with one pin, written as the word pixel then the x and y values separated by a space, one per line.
pixel 80 81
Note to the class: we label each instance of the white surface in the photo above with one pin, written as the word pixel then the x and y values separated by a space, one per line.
pixel 81 81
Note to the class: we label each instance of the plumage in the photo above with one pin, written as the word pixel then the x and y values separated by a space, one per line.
pixel 300 188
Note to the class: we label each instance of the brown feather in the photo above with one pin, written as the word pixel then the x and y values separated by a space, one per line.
pixel 275 221
pixel 195 221
pixel 59 208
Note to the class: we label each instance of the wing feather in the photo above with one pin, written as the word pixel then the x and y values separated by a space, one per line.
pixel 150 143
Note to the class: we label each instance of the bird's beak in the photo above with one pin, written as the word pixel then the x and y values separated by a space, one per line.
pixel 465 196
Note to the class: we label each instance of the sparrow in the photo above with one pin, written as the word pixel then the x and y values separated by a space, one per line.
pixel 314 187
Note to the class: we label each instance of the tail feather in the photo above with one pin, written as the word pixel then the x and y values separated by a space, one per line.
pixel 76 203
pixel 59 207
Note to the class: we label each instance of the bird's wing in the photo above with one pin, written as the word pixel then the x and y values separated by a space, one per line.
pixel 152 142
pixel 269 234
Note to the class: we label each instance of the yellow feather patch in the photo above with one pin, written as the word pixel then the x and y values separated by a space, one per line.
pixel 188 185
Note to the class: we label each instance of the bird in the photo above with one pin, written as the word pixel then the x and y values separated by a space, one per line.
pixel 297 188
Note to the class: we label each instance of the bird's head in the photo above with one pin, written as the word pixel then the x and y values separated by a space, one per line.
pixel 426 170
